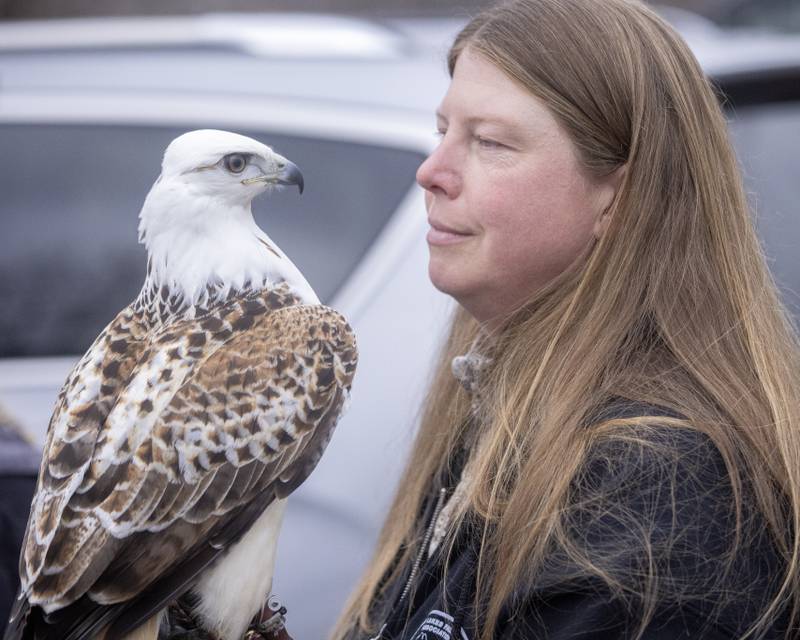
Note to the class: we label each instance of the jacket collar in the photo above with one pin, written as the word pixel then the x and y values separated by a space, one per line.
pixel 470 367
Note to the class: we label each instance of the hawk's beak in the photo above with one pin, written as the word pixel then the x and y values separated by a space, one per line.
pixel 290 174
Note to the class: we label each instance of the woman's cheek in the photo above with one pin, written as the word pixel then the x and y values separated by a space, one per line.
pixel 504 206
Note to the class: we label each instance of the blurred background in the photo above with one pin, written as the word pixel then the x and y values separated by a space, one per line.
pixel 92 92
pixel 775 12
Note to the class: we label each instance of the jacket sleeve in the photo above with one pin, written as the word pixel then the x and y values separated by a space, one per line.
pixel 652 513
pixel 579 616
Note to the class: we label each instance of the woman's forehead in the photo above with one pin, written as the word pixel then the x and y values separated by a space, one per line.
pixel 480 92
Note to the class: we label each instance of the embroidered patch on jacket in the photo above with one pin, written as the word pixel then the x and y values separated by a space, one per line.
pixel 437 626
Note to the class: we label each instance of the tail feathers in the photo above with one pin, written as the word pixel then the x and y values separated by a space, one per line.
pixel 79 621
pixel 18 620
pixel 147 631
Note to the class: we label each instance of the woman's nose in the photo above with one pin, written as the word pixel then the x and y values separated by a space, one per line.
pixel 438 173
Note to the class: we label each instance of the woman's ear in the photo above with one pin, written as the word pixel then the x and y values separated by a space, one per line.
pixel 608 189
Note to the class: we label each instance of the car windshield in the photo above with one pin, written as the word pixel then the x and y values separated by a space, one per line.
pixel 69 257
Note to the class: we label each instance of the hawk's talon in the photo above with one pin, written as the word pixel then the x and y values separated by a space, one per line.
pixel 273 627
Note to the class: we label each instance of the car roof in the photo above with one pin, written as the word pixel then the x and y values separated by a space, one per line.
pixel 261 34
pixel 334 56
pixel 291 56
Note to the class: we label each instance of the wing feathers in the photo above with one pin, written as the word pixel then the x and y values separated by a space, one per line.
pixel 252 395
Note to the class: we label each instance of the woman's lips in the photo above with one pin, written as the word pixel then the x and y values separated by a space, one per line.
pixel 439 234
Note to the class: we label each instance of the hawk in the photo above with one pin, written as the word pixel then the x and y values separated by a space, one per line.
pixel 194 414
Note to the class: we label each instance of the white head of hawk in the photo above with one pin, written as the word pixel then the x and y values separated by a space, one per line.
pixel 196 411
pixel 197 217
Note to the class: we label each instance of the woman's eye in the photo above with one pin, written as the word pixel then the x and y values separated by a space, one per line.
pixel 235 162
pixel 488 143
pixel 439 133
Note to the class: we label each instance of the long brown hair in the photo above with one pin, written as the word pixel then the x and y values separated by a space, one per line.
pixel 674 306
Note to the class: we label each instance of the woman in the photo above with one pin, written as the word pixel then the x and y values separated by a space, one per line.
pixel 618 453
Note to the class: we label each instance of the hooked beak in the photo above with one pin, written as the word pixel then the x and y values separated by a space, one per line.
pixel 290 174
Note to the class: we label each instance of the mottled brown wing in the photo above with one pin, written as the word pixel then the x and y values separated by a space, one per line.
pixel 104 409
pixel 171 471
pixel 83 404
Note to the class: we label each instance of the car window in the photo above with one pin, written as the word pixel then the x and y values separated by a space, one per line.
pixel 766 139
pixel 779 15
pixel 69 256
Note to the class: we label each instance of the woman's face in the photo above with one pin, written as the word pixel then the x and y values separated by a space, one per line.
pixel 508 203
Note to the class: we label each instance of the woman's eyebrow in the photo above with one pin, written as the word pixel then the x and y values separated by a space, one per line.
pixel 483 119
pixel 510 131
pixel 512 126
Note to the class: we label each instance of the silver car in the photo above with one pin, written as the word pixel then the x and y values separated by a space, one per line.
pixel 86 109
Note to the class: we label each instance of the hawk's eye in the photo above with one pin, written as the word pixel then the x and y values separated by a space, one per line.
pixel 235 162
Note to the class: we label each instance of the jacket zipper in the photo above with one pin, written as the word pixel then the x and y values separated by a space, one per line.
pixel 418 560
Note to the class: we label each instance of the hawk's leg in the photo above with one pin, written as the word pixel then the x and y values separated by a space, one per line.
pixel 180 623
pixel 269 623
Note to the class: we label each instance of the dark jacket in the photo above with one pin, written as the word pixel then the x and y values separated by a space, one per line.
pixel 670 505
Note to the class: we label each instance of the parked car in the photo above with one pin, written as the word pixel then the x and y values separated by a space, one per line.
pixel 86 109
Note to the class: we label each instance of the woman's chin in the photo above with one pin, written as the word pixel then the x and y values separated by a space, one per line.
pixel 444 277
pixel 453 281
